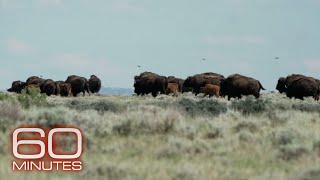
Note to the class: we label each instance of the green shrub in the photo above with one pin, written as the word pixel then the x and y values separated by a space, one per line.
pixel 306 107
pixel 101 105
pixel 249 105
pixel 5 96
pixel 203 107
pixel 32 98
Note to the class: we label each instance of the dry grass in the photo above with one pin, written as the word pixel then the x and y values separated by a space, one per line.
pixel 185 137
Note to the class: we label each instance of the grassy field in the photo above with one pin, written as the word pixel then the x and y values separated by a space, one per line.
pixel 184 137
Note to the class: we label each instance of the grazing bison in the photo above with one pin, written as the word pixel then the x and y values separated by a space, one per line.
pixel 200 80
pixel 65 89
pixel 211 90
pixel 148 82
pixel 172 88
pixel 50 87
pixel 94 84
pixel 78 85
pixel 17 86
pixel 237 85
pixel 178 81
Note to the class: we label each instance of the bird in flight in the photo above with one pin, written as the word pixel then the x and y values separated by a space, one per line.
pixel 139 66
pixel 276 58
pixel 203 59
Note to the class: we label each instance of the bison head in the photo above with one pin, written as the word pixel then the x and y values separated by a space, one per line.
pixel 187 82
pixel 17 87
pixel 281 86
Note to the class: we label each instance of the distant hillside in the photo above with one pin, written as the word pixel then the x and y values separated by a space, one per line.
pixel 116 91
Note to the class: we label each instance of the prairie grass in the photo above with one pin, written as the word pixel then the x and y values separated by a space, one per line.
pixel 184 137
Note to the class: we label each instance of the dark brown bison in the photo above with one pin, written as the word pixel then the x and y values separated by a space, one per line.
pixel 94 84
pixel 50 87
pixel 178 81
pixel 71 77
pixel 17 86
pixel 299 86
pixel 148 82
pixel 65 89
pixel 284 82
pixel 78 85
pixel 200 80
pixel 237 85
pixel 211 90
pixel 139 89
pixel 304 87
pixel 172 88
pixel 35 80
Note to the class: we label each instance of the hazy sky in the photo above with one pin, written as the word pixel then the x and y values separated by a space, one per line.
pixel 109 38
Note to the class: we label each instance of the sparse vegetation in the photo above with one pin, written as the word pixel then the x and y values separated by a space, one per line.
pixel 184 137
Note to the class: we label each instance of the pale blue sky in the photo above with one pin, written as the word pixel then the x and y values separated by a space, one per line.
pixel 109 38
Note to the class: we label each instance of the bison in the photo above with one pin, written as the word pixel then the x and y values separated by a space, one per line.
pixel 178 81
pixel 284 82
pixel 200 80
pixel 78 85
pixel 17 86
pixel 237 85
pixel 172 88
pixel 211 90
pixel 65 89
pixel 94 84
pixel 50 87
pixel 299 86
pixel 35 80
pixel 149 82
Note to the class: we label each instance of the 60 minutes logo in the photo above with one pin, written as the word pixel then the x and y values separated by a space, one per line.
pixel 39 149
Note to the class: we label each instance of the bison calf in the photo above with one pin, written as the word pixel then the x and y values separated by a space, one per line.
pixel 172 88
pixel 65 89
pixel 211 90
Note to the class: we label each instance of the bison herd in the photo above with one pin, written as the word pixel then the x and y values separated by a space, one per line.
pixel 214 84
pixel 209 83
pixel 70 87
